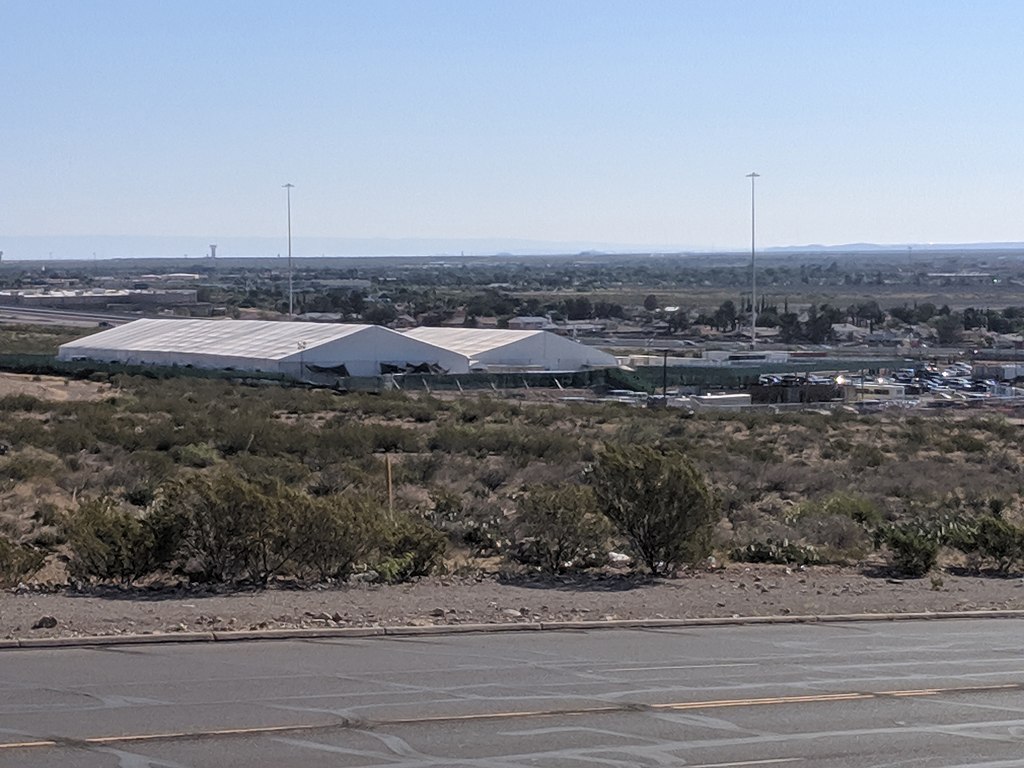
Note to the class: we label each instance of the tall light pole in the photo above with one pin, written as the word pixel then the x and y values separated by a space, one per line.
pixel 753 176
pixel 288 192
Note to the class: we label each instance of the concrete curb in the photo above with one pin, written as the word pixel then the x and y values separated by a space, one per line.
pixel 463 629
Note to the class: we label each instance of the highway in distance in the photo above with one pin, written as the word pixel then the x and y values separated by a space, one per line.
pixel 857 695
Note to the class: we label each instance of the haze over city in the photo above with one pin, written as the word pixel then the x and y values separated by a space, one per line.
pixel 144 129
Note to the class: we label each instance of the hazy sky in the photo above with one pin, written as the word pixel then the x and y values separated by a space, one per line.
pixel 631 122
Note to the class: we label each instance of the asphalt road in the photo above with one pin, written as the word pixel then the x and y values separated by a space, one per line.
pixel 942 693
pixel 62 317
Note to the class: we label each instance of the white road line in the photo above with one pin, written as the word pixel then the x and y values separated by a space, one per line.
pixel 687 666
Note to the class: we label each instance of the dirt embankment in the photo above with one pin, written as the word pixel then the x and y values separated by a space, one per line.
pixel 733 591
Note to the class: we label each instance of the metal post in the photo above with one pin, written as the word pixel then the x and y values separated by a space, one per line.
pixel 288 192
pixel 664 376
pixel 753 176
pixel 391 487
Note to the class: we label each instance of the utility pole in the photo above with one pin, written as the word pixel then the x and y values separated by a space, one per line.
pixel 753 176
pixel 288 191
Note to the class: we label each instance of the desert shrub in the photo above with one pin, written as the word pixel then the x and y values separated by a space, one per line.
pixel 25 465
pixel 476 524
pixel 339 441
pixel 993 540
pixel 411 548
pixel 659 501
pixel 21 402
pixel 784 552
pixel 196 455
pixel 418 470
pixel 46 514
pixel 837 538
pixel 289 471
pixel 838 526
pixel 862 456
pixel 233 529
pixel 520 444
pixel 395 405
pixel 108 543
pixel 858 508
pixel 17 562
pixel 335 533
pixel 914 548
pixel 139 493
pixel 387 437
pixel 968 443
pixel 446 508
pixel 558 528
pixel 335 478
pixel 482 408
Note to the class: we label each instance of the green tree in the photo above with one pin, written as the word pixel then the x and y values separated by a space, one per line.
pixel 659 501
pixel 949 327
pixel 725 316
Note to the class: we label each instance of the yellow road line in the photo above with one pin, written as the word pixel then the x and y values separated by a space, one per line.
pixel 206 734
pixel 26 744
pixel 769 700
pixel 506 715
pixel 770 761
pixel 675 706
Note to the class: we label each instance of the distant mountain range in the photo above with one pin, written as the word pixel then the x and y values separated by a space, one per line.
pixel 35 248
pixel 862 247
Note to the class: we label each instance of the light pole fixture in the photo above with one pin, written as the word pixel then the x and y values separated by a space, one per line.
pixel 753 176
pixel 288 192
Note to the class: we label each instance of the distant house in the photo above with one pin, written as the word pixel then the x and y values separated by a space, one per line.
pixel 848 332
pixel 527 323
pixel 404 321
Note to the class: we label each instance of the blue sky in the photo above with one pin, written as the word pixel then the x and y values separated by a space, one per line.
pixel 588 121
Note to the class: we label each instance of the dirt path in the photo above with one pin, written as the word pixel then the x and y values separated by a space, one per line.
pixel 734 591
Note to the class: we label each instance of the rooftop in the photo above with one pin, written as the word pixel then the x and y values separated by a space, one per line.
pixel 233 338
pixel 469 341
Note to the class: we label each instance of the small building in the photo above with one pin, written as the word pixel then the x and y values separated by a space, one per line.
pixel 527 323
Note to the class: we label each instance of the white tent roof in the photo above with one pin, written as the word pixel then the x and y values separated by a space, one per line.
pixel 264 339
pixel 523 349
pixel 471 342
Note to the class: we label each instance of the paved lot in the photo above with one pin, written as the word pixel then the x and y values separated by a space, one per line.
pixel 945 693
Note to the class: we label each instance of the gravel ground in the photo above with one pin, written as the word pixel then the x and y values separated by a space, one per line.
pixel 732 591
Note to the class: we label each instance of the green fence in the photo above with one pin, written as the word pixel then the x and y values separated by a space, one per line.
pixel 642 379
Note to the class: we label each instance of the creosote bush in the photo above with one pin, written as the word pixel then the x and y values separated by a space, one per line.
pixel 222 528
pixel 17 562
pixel 558 528
pixel 111 544
pixel 659 501
pixel 914 548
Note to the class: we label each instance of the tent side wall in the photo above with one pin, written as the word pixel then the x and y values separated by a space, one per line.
pixel 363 353
pixel 211 361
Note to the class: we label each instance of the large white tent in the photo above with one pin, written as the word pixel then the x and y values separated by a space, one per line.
pixel 497 350
pixel 291 348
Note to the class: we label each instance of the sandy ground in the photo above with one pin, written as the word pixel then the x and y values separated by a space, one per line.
pixel 52 388
pixel 734 591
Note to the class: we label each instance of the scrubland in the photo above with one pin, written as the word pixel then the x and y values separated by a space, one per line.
pixel 477 482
